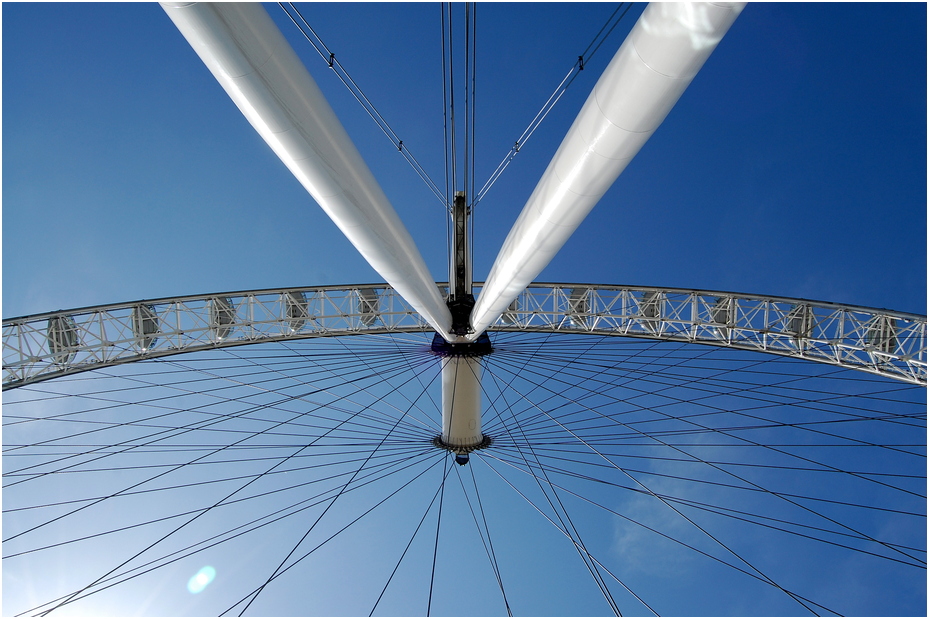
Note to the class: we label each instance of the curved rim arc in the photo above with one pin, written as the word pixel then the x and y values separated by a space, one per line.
pixel 48 345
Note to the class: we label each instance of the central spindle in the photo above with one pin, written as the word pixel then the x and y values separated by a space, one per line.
pixel 461 367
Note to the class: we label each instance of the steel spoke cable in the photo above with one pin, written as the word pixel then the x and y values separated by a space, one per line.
pixel 706 380
pixel 735 487
pixel 496 358
pixel 223 417
pixel 589 425
pixel 550 449
pixel 75 594
pixel 921 515
pixel 648 458
pixel 754 443
pixel 434 375
pixel 657 433
pixel 540 432
pixel 487 543
pixel 490 543
pixel 435 405
pixel 223 503
pixel 777 494
pixel 100 499
pixel 375 376
pixel 330 538
pixel 472 142
pixel 104 449
pixel 330 58
pixel 158 436
pixel 493 401
pixel 508 432
pixel 126 577
pixel 132 448
pixel 202 392
pixel 510 341
pixel 448 117
pixel 808 425
pixel 625 439
pixel 746 517
pixel 672 539
pixel 784 496
pixel 468 103
pixel 712 389
pixel 156 476
pixel 562 530
pixel 692 522
pixel 445 143
pixel 407 548
pixel 396 366
pixel 627 443
pixel 170 448
pixel 516 465
pixel 402 363
pixel 199 357
pixel 373 424
pixel 438 528
pixel 578 543
pixel 387 453
pixel 344 449
pixel 724 511
pixel 397 369
pixel 561 365
pixel 634 351
pixel 254 595
pixel 451 102
pixel 741 412
pixel 386 468
pixel 395 353
pixel 143 386
pixel 120 403
pixel 632 363
pixel 796 399
pixel 658 379
pixel 86 378
pixel 551 102
pixel 477 525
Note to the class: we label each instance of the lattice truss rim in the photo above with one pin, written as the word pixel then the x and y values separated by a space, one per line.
pixel 44 346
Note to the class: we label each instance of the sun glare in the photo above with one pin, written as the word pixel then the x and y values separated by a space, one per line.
pixel 199 581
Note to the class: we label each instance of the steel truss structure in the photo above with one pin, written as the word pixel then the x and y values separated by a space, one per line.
pixel 45 346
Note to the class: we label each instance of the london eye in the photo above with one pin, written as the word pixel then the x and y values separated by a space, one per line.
pixel 740 431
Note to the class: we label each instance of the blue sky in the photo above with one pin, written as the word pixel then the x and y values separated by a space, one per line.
pixel 794 165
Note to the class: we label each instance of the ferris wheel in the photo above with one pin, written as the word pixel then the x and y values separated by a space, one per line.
pixel 397 448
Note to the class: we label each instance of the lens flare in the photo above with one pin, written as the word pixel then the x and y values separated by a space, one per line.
pixel 201 579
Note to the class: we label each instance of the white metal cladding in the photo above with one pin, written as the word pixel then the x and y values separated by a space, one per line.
pixel 879 341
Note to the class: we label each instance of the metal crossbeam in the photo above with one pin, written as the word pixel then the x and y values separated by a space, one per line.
pixel 55 344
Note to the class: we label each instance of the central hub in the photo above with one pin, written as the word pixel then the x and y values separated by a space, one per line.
pixel 478 348
pixel 462 454
pixel 460 306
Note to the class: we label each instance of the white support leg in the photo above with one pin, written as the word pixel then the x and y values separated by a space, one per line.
pixel 250 58
pixel 646 77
